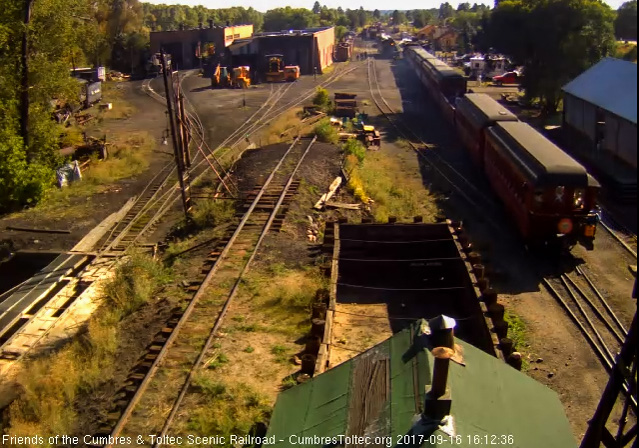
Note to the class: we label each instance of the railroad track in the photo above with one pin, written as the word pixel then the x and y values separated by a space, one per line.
pixel 586 306
pixel 481 202
pixel 172 351
pixel 624 236
pixel 162 191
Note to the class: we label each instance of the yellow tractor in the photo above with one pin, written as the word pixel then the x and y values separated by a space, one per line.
pixel 241 78
pixel 291 72
pixel 274 71
pixel 371 136
pixel 221 77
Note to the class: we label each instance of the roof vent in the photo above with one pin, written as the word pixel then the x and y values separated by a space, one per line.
pixel 441 342
pixel 442 331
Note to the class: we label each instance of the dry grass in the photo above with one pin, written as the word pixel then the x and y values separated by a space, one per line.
pixel 71 136
pixel 128 157
pixel 225 408
pixel 283 127
pixel 49 385
pixel 134 283
pixel 380 177
pixel 112 93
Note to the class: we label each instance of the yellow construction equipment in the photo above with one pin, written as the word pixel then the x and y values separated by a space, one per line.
pixel 371 136
pixel 221 77
pixel 241 78
pixel 291 72
pixel 274 72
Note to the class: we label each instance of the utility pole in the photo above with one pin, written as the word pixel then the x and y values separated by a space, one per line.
pixel 24 100
pixel 186 138
pixel 177 141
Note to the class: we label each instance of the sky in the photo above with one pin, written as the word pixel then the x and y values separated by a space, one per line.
pixel 263 5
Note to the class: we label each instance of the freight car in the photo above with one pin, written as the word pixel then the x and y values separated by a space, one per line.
pixel 550 196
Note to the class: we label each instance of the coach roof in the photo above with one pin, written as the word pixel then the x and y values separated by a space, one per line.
pixel 483 111
pixel 544 161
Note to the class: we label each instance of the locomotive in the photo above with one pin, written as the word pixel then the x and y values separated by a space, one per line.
pixel 549 195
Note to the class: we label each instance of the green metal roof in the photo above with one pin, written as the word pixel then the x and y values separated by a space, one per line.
pixel 380 393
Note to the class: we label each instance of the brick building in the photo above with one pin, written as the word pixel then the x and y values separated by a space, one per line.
pixel 309 48
pixel 182 44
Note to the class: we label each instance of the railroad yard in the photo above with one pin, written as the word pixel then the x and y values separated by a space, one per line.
pixel 262 289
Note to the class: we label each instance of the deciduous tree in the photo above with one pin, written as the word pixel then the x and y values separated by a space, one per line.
pixel 626 21
pixel 555 41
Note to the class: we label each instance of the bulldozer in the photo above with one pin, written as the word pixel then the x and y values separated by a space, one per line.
pixel 241 78
pixel 221 77
pixel 274 71
pixel 291 72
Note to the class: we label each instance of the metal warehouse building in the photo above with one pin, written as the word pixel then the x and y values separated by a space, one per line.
pixel 600 106
pixel 310 48
pixel 182 44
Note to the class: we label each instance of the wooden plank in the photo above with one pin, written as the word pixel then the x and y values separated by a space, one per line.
pixel 329 194
pixel 89 241
pixel 342 205
pixel 35 230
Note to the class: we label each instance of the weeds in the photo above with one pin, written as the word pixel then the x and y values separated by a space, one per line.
pixel 380 178
pixel 281 354
pixel 249 349
pixel 127 158
pixel 354 147
pixel 284 298
pixel 134 283
pixel 217 361
pixel 211 213
pixel 288 382
pixel 45 405
pixel 326 132
pixel 208 387
pixel 322 99
pixel 518 333
pixel 227 409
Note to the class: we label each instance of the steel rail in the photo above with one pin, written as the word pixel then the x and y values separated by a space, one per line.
pixel 616 236
pixel 189 309
pixel 602 344
pixel 595 310
pixel 234 290
pixel 480 194
pixel 373 79
pixel 601 350
pixel 580 325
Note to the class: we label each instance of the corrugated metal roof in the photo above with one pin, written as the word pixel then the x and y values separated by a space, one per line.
pixel 490 401
pixel 611 84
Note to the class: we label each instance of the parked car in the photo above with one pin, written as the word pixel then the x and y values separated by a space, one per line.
pixel 507 78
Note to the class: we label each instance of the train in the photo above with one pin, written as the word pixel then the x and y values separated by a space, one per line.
pixel 550 197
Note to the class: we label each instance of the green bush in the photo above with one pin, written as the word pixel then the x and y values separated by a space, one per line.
pixel 21 183
pixel 326 132
pixel 356 148
pixel 321 98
